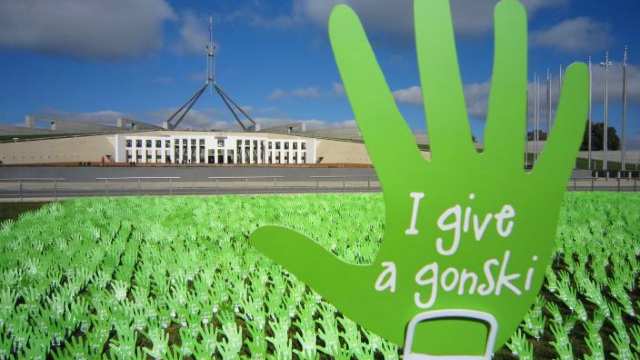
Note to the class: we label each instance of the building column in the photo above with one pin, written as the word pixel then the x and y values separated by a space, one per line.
pixel 259 152
pixel 172 152
pixel 188 154
pixel 133 149
pixel 251 151
pixel 179 152
pixel 144 151
pixel 243 152
pixel 290 159
pixel 267 152
pixel 235 153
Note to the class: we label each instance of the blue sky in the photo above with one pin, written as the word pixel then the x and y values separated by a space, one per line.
pixel 142 58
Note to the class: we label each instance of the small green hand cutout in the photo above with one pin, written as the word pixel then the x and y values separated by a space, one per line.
pixel 465 230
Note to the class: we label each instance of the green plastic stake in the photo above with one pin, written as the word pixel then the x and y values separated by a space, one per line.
pixel 465 230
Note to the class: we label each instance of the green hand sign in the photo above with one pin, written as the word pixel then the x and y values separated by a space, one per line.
pixel 465 231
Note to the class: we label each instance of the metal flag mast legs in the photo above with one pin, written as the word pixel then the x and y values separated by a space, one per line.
pixel 238 113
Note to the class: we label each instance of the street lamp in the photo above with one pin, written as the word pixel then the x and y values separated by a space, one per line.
pixel 605 141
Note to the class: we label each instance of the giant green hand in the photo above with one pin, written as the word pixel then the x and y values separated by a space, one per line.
pixel 465 230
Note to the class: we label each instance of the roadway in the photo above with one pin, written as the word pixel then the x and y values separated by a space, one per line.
pixel 44 183
pixel 185 173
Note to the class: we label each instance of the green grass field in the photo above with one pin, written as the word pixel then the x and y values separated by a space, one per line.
pixel 174 278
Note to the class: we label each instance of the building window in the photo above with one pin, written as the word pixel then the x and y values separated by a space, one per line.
pixel 193 142
pixel 139 143
pixel 148 143
pixel 158 143
pixel 201 142
pixel 277 145
pixel 220 142
pixel 167 143
pixel 303 145
pixel 270 145
pixel 295 146
pixel 129 142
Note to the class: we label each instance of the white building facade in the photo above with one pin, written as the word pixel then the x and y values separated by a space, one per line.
pixel 214 148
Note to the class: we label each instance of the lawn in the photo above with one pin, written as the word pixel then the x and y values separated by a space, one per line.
pixel 174 277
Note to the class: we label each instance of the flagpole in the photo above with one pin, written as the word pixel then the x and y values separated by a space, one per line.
pixel 624 109
pixel 605 133
pixel 590 110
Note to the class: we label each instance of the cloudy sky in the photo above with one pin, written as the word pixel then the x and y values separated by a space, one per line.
pixel 99 59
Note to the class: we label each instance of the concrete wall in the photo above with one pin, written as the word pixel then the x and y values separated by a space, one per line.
pixel 336 152
pixel 93 148
pixel 64 150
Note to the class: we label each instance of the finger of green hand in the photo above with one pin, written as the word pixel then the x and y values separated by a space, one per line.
pixel 504 134
pixel 447 121
pixel 559 154
pixel 309 262
pixel 385 133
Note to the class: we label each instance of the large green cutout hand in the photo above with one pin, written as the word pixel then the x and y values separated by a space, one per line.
pixel 494 261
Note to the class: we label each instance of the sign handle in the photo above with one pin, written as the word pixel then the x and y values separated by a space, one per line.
pixel 451 313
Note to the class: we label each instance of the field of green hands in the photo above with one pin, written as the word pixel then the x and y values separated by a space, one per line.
pixel 175 278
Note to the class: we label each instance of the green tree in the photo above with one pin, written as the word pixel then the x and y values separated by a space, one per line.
pixel 597 132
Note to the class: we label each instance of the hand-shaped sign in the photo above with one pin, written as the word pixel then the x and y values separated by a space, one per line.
pixel 467 235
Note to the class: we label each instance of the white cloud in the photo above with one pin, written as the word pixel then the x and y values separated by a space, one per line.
pixel 197 119
pixel 305 93
pixel 163 80
pixel 104 117
pixel 411 95
pixel 477 98
pixel 89 28
pixel 476 94
pixel 310 124
pixel 277 94
pixel 615 83
pixel 578 35
pixel 471 17
pixel 308 92
pixel 194 33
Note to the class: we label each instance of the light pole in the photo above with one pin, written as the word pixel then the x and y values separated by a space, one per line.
pixel 605 133
pixel 590 111
pixel 624 109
